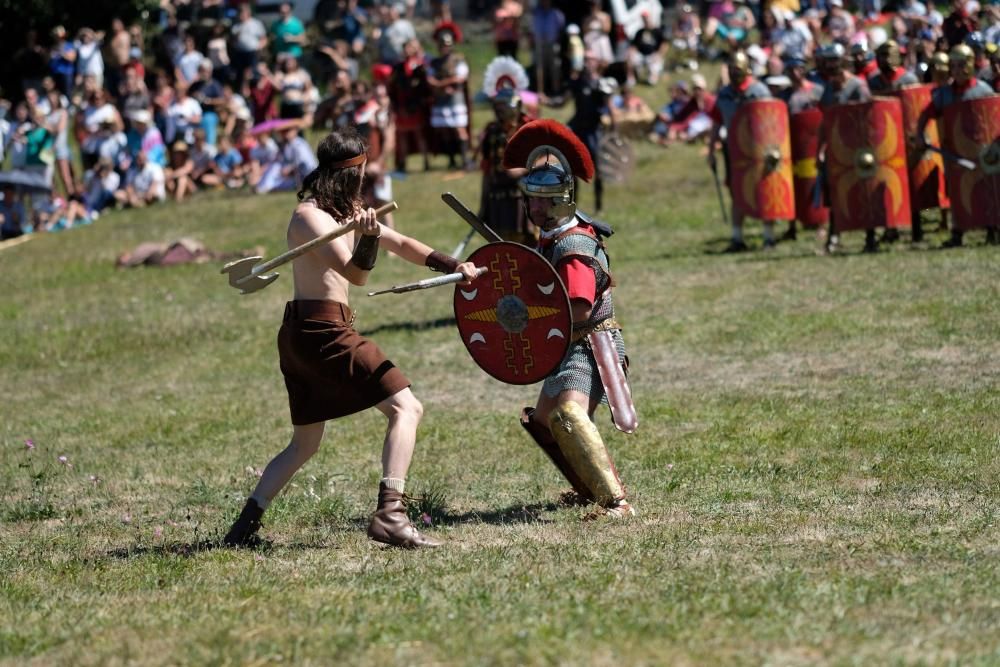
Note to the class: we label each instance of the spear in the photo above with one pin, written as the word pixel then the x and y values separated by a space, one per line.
pixel 427 283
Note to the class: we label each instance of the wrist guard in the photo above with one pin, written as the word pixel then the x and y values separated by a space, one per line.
pixel 366 252
pixel 438 261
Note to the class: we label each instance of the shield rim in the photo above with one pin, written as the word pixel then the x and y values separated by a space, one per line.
pixel 538 376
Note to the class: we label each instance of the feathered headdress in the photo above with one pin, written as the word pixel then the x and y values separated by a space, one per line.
pixel 504 72
pixel 548 132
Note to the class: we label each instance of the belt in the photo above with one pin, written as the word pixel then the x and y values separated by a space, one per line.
pixel 314 309
pixel 603 325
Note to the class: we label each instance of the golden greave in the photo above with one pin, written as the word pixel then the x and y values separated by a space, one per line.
pixel 584 449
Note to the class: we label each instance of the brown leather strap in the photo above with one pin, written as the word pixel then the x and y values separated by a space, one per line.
pixel 604 325
pixel 350 162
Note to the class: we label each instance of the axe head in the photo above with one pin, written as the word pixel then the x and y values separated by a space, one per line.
pixel 241 275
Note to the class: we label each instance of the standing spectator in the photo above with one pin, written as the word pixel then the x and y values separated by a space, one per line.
pixel 352 26
pixel 959 24
pixel 30 62
pixel 410 93
pixel 183 116
pixel 97 120
pixel 448 77
pixel 230 109
pixel 262 93
pixel 507 27
pixel 89 60
pixel 187 64
pixel 208 92
pixel 646 51
pixel 57 122
pixel 133 95
pixel 296 87
pixel 120 51
pixel 547 25
pixel 62 60
pixel 288 34
pixel 395 33
pixel 251 38
pixel 218 52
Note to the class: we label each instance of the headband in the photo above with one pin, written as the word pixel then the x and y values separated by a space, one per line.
pixel 350 162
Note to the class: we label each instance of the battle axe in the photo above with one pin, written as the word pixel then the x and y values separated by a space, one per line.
pixel 248 276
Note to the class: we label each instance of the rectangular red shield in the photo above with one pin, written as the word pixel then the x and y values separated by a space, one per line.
pixel 971 130
pixel 866 163
pixel 760 160
pixel 926 168
pixel 805 127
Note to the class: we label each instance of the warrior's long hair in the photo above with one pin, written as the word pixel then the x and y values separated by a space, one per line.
pixel 337 190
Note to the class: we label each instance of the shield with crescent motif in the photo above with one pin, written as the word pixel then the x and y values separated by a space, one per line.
pixel 866 162
pixel 926 168
pixel 971 129
pixel 805 128
pixel 760 160
pixel 515 319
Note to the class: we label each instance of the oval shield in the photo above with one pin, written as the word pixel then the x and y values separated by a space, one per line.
pixel 971 130
pixel 760 159
pixel 866 161
pixel 515 319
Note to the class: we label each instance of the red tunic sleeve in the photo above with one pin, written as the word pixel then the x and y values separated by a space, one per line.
pixel 579 279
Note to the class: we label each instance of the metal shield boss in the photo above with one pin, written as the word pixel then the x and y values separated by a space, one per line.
pixel 971 129
pixel 804 128
pixel 515 319
pixel 926 168
pixel 866 158
pixel 760 160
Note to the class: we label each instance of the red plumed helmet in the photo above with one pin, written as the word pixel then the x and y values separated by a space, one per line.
pixel 548 132
pixel 450 28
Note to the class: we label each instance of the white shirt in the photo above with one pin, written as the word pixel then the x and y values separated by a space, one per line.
pixel 149 181
pixel 89 59
pixel 188 65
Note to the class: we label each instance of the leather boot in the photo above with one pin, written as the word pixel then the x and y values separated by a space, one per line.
pixel 244 530
pixel 543 438
pixel 390 525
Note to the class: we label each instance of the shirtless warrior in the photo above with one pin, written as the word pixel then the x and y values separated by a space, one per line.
pixel 330 370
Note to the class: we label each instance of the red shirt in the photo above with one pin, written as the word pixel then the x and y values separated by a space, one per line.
pixel 578 276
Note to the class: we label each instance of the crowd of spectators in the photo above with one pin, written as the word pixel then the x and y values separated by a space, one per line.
pixel 210 96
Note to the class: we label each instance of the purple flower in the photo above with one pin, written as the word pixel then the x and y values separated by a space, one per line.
pixel 158 532
pixel 29 444
pixel 259 558
pixel 126 518
pixel 426 518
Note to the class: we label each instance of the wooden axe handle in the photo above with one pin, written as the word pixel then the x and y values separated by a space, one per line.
pixel 286 257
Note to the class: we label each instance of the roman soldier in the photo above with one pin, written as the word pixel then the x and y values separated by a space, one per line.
pixel 448 77
pixel 863 60
pixel 964 86
pixel 890 75
pixel 742 88
pixel 501 205
pixel 593 370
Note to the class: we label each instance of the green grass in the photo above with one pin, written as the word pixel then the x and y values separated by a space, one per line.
pixel 815 470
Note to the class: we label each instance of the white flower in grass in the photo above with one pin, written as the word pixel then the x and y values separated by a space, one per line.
pixel 65 461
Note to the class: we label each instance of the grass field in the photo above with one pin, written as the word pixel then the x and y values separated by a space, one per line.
pixel 816 469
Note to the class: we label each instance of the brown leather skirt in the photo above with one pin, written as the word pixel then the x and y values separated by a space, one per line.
pixel 330 369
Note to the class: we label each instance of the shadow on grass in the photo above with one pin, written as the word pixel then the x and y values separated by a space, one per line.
pixel 509 515
pixel 188 549
pixel 439 323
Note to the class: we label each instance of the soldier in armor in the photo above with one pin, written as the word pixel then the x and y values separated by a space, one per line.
pixel 742 87
pixel 448 78
pixel 501 205
pixel 410 92
pixel 561 421
pixel 891 75
pixel 802 95
pixel 863 62
pixel 840 87
pixel 964 86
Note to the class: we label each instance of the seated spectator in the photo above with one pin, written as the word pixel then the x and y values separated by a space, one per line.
pixel 13 222
pixel 233 106
pixel 144 137
pixel 693 121
pixel 145 183
pixel 177 175
pixel 97 116
pixel 229 163
pixel 186 66
pixel 203 158
pixel 99 186
pixel 208 93
pixel 680 94
pixel 295 161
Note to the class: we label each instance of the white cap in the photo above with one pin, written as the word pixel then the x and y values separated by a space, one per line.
pixel 141 116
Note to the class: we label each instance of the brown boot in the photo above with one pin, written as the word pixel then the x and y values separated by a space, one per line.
pixel 390 525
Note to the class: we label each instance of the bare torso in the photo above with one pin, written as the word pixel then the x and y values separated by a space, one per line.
pixel 315 274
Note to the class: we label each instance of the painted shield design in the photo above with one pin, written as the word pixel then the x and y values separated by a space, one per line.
pixel 515 319
pixel 805 128
pixel 866 161
pixel 760 160
pixel 926 168
pixel 971 129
